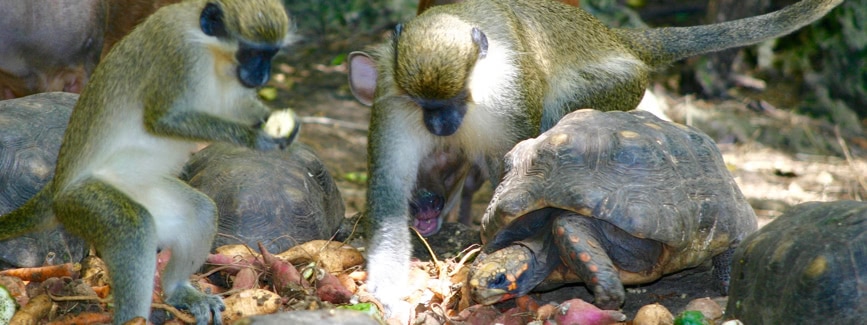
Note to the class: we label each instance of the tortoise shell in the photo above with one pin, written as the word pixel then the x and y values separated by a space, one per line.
pixel 31 131
pixel 648 187
pixel 804 267
pixel 281 198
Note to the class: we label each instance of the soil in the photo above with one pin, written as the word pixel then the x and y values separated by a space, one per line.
pixel 777 157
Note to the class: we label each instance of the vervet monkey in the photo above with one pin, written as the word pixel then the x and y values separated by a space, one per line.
pixel 438 188
pixel 187 74
pixel 424 4
pixel 49 45
pixel 482 75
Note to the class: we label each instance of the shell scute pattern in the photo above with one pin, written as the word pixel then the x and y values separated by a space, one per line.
pixel 613 194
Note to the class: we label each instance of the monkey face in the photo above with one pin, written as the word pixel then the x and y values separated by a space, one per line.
pixel 444 117
pixel 433 61
pixel 258 34
pixel 254 64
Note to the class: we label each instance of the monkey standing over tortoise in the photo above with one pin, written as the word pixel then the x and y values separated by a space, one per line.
pixel 479 76
pixel 185 75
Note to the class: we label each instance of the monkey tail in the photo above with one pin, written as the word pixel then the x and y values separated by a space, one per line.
pixel 661 46
pixel 34 215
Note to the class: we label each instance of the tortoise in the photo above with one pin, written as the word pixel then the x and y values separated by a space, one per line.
pixel 31 131
pixel 281 198
pixel 614 198
pixel 807 266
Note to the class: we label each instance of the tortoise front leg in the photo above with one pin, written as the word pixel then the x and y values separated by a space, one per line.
pixel 578 240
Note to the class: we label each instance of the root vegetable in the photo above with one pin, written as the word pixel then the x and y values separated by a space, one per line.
pixel 577 311
pixel 709 308
pixel 333 256
pixel 653 314
pixel 245 279
pixel 41 273
pixel 250 302
pixel 329 288
pixel 283 274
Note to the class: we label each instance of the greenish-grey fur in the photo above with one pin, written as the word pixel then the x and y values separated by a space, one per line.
pixel 158 75
pixel 551 37
pixel 255 25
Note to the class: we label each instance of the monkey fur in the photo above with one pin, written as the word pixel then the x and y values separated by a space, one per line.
pixel 482 75
pixel 185 75
pixel 424 4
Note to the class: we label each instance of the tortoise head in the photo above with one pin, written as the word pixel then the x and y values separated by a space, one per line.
pixel 504 274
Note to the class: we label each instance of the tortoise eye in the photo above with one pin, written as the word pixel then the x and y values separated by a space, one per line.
pixel 500 280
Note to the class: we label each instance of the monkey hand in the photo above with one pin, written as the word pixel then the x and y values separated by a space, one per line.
pixel 279 130
pixel 201 305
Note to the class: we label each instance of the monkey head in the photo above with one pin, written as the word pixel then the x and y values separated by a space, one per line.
pixel 434 56
pixel 254 33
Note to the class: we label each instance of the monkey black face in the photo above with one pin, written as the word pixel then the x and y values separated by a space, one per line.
pixel 254 64
pixel 254 60
pixel 443 117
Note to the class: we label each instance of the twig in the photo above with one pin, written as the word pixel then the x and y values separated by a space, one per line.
pixel 848 156
pixel 470 251
pixel 77 298
pixel 430 250
pixel 351 233
pixel 174 311
pixel 335 122
pixel 184 317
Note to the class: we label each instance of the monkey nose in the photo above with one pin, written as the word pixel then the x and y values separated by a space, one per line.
pixel 254 64
pixel 254 76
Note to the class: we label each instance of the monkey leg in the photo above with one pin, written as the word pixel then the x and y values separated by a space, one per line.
pixel 186 221
pixel 127 232
pixel 123 233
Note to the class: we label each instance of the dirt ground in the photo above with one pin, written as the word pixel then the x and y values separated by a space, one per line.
pixel 757 144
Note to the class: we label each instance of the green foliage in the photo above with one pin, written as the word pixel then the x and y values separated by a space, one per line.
pixel 344 17
pixel 339 59
pixel 832 55
pixel 365 307
pixel 356 177
pixel 613 14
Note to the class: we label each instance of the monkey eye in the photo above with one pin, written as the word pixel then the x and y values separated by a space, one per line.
pixel 211 21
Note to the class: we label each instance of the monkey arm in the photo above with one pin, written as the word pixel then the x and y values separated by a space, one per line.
pixel 202 126
pixel 395 151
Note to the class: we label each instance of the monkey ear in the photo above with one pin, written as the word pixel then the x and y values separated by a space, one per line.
pixel 397 30
pixel 362 77
pixel 211 21
pixel 482 41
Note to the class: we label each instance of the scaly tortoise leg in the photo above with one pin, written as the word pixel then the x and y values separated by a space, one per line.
pixel 582 251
